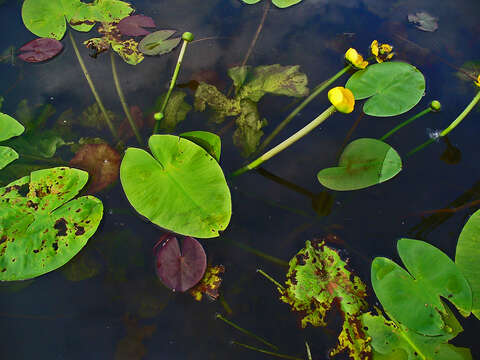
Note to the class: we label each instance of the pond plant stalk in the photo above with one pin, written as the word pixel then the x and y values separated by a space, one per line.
pixel 187 38
pixel 92 87
pixel 267 352
pixel 123 101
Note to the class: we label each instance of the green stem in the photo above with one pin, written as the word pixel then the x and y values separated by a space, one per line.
pixel 277 284
pixel 283 356
pixel 246 332
pixel 92 87
pixel 258 253
pixel 172 85
pixel 123 101
pixel 286 143
pixel 406 122
pixel 460 117
pixel 420 147
pixel 309 353
pixel 300 107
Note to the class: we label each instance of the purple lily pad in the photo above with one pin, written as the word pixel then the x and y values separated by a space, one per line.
pixel 134 25
pixel 39 50
pixel 180 270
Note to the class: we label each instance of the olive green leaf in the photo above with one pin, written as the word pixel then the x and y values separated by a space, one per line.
pixel 221 106
pixel 41 227
pixel 249 128
pixel 277 3
pixel 158 43
pixel 180 188
pixel 413 298
pixel 391 340
pixel 363 163
pixel 253 83
pixel 85 265
pixel 467 258
pixel 127 49
pixel 9 127
pixel 392 88
pixel 49 18
pixel 209 141
pixel 176 110
pixel 317 280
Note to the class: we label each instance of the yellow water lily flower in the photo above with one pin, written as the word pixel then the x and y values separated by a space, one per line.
pixel 354 58
pixel 342 99
pixel 478 81
pixel 382 52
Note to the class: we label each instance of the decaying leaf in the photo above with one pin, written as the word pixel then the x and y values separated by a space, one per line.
pixel 92 117
pixel 222 106
pixel 85 265
pixel 318 280
pixel 424 21
pixel 209 284
pixel 127 49
pixel 176 110
pixel 125 131
pixel 101 161
pixel 131 347
pixel 249 128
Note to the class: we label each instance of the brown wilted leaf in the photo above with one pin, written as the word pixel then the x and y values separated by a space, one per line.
pixel 209 284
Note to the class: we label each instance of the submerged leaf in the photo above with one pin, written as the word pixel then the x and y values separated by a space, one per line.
pixel 363 163
pixel 249 128
pixel 176 110
pixel 92 117
pixel 180 270
pixel 39 50
pixel 209 284
pixel 9 127
pixel 43 144
pixel 134 25
pixel 41 227
pixel 180 188
pixel 424 21
pixel 317 280
pixel 222 106
pixel 101 161
pixel 467 258
pixel 413 298
pixel 158 43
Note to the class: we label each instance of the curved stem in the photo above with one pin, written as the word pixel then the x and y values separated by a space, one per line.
pixel 172 84
pixel 283 356
pixel 300 107
pixel 286 143
pixel 123 101
pixel 92 88
pixel 406 122
pixel 460 117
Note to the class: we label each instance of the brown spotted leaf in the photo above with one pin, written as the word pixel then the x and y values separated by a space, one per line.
pixel 101 161
pixel 209 284
pixel 41 227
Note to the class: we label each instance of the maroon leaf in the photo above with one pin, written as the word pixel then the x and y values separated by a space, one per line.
pixel 39 50
pixel 134 25
pixel 101 162
pixel 177 270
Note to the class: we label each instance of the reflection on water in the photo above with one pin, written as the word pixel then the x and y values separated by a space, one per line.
pixel 107 303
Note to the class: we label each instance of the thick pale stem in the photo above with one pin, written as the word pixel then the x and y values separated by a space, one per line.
pixel 92 88
pixel 286 143
pixel 300 107
pixel 405 123
pixel 123 101
pixel 460 117
pixel 172 83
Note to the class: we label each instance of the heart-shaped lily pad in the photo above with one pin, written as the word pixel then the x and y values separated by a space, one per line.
pixel 363 163
pixel 135 25
pixel 392 88
pixel 41 227
pixel 158 43
pixel 9 127
pixel 413 297
pixel 207 140
pixel 180 188
pixel 39 50
pixel 180 270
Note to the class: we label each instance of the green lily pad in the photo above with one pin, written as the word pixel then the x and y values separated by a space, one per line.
pixel 392 88
pixel 180 188
pixel 9 127
pixel 158 43
pixel 317 281
pixel 41 227
pixel 49 18
pixel 391 341
pixel 363 163
pixel 7 155
pixel 467 258
pixel 277 3
pixel 209 141
pixel 413 297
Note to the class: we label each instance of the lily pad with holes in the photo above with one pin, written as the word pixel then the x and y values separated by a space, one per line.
pixel 42 226
pixel 9 127
pixel 363 163
pixel 180 188
pixel 413 297
pixel 393 88
pixel 178 269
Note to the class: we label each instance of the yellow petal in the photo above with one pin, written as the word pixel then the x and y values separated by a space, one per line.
pixel 355 59
pixel 478 81
pixel 374 48
pixel 342 99
pixel 385 48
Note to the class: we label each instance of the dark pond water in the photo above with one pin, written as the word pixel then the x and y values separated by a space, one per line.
pixel 124 312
